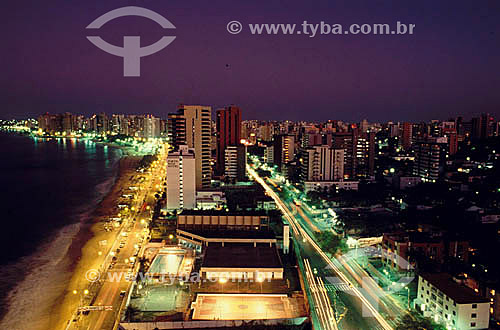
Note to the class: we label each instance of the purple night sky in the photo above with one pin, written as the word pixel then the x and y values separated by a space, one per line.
pixel 449 66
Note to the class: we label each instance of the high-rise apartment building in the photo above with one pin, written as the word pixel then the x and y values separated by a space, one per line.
pixel 322 163
pixel 235 162
pixel 284 149
pixel 181 180
pixel 407 136
pixel 345 140
pixel 364 153
pixel 101 123
pixel 359 151
pixel 191 125
pixel 228 127
pixel 429 158
pixel 269 153
pixel 151 127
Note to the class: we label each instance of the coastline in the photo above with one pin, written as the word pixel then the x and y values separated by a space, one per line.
pixel 83 252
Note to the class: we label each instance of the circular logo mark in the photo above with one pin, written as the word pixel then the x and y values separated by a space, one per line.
pixel 234 27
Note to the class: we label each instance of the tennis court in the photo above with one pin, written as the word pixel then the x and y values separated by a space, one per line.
pixel 241 307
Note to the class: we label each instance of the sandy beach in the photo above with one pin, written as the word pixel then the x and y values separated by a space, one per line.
pixel 83 253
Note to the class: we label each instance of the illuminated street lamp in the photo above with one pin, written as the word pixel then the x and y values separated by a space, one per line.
pixel 222 280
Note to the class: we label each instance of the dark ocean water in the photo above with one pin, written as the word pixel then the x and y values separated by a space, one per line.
pixel 47 189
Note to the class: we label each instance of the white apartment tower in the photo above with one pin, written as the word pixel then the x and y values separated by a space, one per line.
pixel 322 163
pixel 181 179
pixel 191 126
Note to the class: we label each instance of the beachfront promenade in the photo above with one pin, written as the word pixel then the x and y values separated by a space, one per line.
pixel 110 293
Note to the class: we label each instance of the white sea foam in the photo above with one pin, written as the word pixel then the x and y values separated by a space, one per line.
pixel 47 276
pixel 30 301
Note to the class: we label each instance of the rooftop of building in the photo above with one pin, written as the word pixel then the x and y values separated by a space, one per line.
pixel 236 234
pixel 458 293
pixel 241 255
pixel 222 213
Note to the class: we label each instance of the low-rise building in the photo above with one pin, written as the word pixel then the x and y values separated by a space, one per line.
pixel 239 245
pixel 210 199
pixel 218 220
pixel 242 260
pixel 411 246
pixel 457 307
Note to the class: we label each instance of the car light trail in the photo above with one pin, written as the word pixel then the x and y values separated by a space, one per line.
pixel 321 301
pixel 299 231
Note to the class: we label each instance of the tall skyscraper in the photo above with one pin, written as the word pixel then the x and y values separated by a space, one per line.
pixel 228 132
pixel 181 181
pixel 191 125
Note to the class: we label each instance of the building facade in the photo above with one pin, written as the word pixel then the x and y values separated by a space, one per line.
pixel 181 182
pixel 228 127
pixel 235 162
pixel 430 155
pixel 191 125
pixel 322 163
pixel 284 149
pixel 441 298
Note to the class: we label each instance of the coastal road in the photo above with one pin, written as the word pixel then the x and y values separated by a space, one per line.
pixel 115 284
pixel 114 279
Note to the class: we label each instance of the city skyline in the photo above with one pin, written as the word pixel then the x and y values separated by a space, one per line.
pixel 214 110
pixel 337 191
pixel 292 165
